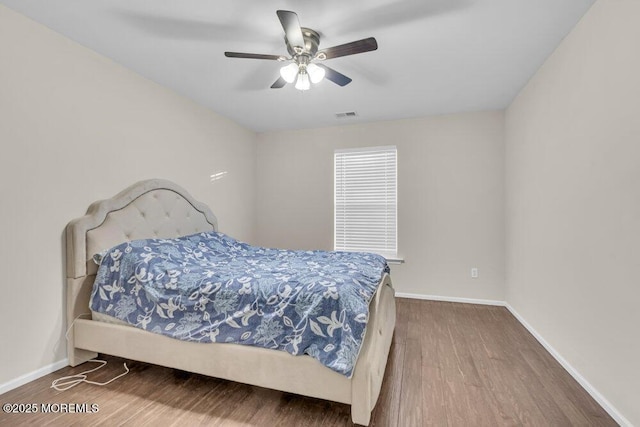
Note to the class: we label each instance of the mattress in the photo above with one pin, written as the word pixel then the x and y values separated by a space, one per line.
pixel 209 287
pixel 105 318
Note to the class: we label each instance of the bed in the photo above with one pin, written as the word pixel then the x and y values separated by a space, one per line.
pixel 161 209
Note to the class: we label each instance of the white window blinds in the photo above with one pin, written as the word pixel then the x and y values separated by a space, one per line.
pixel 365 200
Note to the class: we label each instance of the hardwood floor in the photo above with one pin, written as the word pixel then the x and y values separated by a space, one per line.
pixel 450 365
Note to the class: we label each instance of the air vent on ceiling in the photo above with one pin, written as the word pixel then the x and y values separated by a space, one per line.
pixel 346 114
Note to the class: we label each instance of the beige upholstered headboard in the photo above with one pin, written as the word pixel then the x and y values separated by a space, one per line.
pixel 148 209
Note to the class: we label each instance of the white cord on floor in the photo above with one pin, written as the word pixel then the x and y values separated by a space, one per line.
pixel 66 334
pixel 65 383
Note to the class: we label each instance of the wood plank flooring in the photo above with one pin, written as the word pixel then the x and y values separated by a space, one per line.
pixel 450 365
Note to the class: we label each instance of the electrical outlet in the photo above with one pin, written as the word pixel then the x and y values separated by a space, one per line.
pixel 474 273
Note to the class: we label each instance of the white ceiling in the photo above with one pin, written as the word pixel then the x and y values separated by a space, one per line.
pixel 434 56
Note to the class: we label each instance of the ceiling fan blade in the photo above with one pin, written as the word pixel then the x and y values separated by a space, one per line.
pixel 252 56
pixel 336 77
pixel 291 26
pixel 393 13
pixel 278 83
pixel 360 46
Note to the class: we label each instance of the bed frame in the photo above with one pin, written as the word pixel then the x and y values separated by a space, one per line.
pixel 159 208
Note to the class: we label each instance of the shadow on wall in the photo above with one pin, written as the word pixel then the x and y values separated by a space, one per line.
pixel 60 340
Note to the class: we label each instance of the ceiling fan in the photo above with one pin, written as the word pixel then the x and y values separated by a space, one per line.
pixel 305 65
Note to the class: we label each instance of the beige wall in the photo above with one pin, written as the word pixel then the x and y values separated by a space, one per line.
pixel 74 128
pixel 450 197
pixel 573 202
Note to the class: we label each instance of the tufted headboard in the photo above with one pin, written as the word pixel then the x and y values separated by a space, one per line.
pixel 147 209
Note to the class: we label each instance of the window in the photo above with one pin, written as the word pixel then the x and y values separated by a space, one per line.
pixel 365 199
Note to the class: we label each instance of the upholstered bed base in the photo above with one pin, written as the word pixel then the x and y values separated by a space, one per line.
pixel 158 208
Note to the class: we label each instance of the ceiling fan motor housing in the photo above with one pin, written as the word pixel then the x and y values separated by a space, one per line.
pixel 311 42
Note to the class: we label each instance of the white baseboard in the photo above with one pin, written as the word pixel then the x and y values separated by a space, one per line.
pixel 31 376
pixel 606 405
pixel 450 299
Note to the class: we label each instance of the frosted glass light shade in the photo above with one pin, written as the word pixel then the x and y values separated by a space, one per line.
pixel 303 82
pixel 289 72
pixel 316 74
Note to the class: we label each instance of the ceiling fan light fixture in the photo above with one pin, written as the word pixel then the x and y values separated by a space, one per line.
pixel 316 74
pixel 302 44
pixel 289 72
pixel 303 82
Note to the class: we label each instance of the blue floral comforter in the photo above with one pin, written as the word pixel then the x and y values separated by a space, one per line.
pixel 208 287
